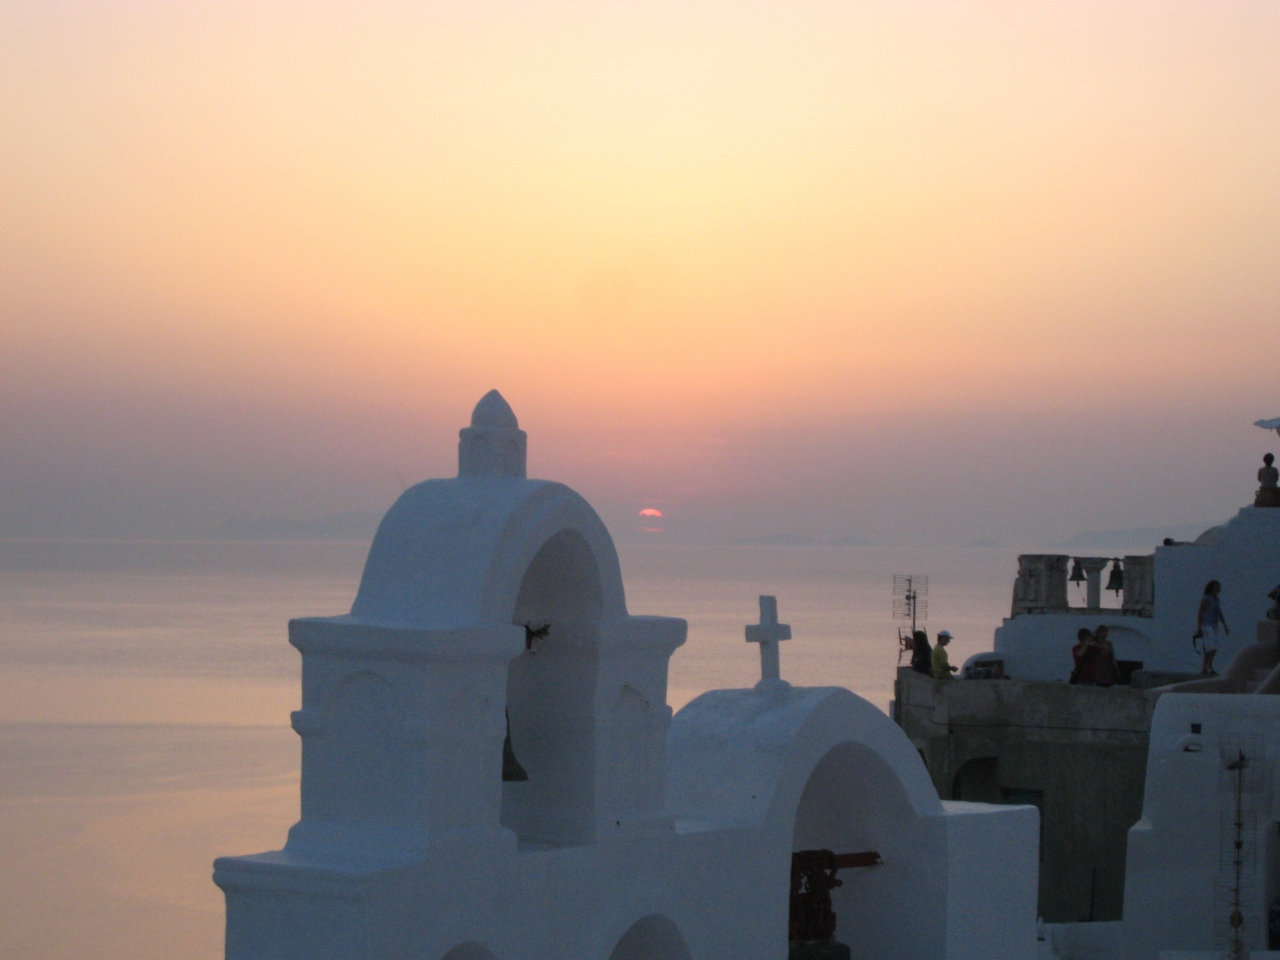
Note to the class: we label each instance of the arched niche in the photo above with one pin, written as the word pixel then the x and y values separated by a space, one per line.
pixel 978 781
pixel 454 553
pixel 651 938
pixel 854 802
pixel 551 692
pixel 469 951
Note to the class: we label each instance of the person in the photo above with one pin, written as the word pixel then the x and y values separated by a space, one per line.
pixel 1268 484
pixel 921 653
pixel 1208 616
pixel 1269 475
pixel 942 668
pixel 1105 669
pixel 1085 655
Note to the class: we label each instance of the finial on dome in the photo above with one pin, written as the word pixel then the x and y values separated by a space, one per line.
pixel 494 445
pixel 494 411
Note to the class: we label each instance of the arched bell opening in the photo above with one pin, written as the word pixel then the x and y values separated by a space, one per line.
pixel 549 766
pixel 651 938
pixel 854 841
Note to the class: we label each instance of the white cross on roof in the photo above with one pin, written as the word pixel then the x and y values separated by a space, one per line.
pixel 767 633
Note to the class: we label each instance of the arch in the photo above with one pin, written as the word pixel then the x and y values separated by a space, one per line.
pixel 849 792
pixel 855 802
pixel 739 758
pixel 562 580
pixel 557 518
pixel 454 553
pixel 819 766
pixel 469 951
pixel 654 937
pixel 551 690
pixel 978 780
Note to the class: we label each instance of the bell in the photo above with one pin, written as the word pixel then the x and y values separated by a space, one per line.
pixel 1115 582
pixel 1077 572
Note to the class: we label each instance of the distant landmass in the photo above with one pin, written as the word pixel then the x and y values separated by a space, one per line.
pixel 778 540
pixel 802 540
pixel 1137 535
pixel 356 525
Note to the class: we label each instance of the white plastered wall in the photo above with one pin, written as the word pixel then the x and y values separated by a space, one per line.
pixel 642 836
pixel 1179 869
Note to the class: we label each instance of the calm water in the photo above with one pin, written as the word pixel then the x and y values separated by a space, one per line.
pixel 145 692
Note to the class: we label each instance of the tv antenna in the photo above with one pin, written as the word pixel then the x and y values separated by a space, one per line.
pixel 909 603
pixel 1235 890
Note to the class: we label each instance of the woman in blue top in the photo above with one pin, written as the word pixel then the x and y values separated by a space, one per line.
pixel 1207 619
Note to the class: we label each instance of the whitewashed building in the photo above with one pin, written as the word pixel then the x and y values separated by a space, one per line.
pixel 1203 870
pixel 620 832
pixel 1161 593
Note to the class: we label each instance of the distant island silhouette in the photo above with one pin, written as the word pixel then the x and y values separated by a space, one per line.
pixel 354 525
pixel 1137 535
pixel 803 540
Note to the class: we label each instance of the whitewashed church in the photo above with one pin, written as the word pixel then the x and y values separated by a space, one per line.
pixel 490 771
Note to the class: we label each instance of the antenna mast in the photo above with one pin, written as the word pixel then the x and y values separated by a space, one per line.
pixel 909 603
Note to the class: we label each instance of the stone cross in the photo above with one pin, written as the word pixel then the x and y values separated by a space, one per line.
pixel 767 633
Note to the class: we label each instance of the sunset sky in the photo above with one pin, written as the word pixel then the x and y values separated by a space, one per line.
pixel 920 272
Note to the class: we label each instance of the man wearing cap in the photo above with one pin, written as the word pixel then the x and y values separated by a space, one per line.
pixel 942 668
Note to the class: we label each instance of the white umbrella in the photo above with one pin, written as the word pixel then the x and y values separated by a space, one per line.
pixel 1272 424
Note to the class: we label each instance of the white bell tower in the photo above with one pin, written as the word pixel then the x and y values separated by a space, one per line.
pixel 407 700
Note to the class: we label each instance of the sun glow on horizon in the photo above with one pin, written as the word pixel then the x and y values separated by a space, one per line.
pixel 239 240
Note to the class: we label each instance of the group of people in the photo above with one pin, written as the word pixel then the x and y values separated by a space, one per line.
pixel 931 661
pixel 1095 659
pixel 1094 655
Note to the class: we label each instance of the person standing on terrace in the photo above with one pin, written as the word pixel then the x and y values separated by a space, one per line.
pixel 1208 616
pixel 942 668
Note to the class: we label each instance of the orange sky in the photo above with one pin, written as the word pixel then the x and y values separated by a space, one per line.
pixel 260 258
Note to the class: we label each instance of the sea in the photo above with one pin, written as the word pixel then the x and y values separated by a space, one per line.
pixel 145 691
